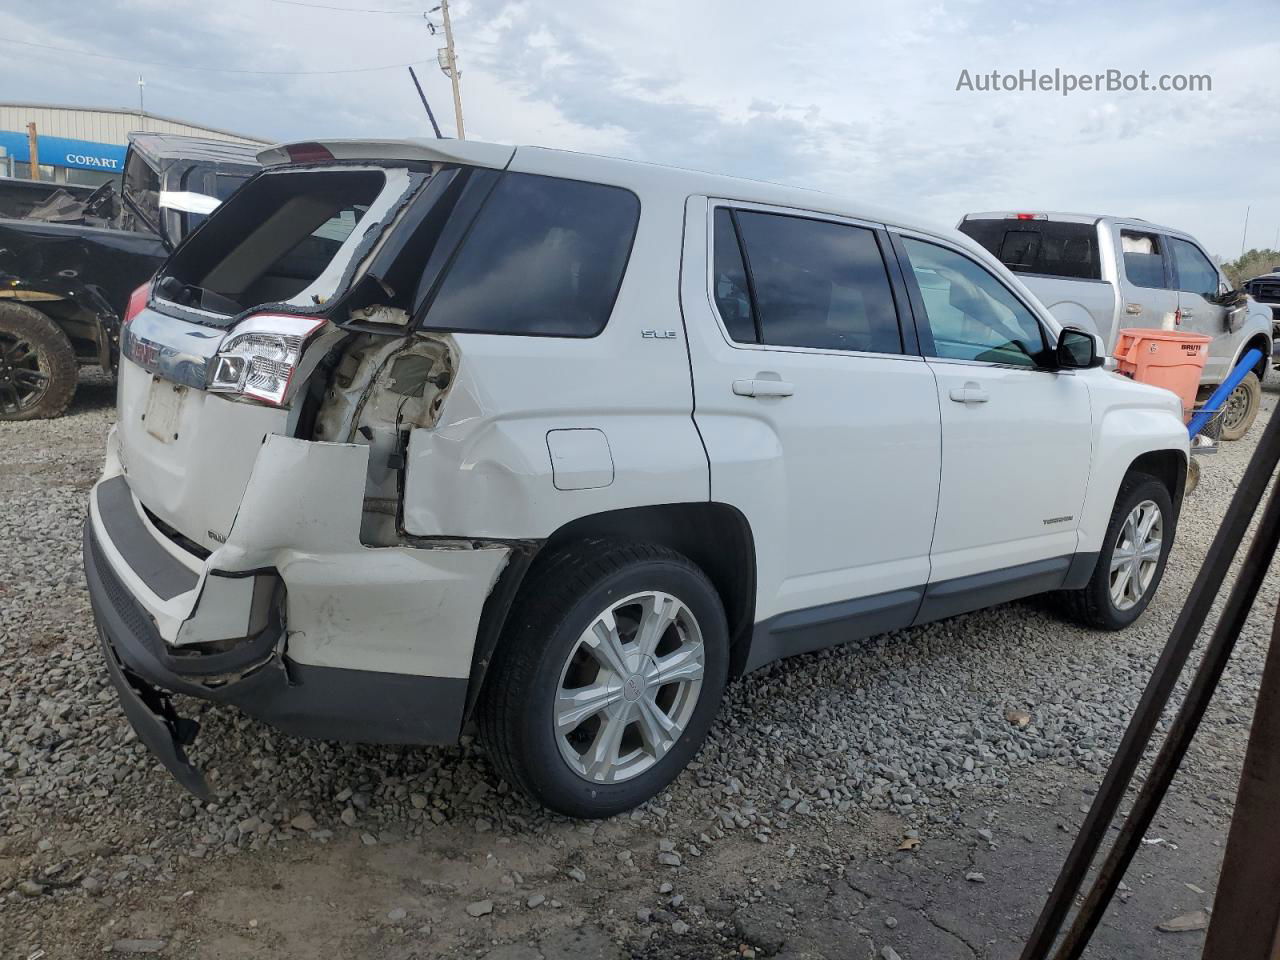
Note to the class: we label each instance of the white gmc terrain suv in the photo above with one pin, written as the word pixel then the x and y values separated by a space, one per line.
pixel 413 434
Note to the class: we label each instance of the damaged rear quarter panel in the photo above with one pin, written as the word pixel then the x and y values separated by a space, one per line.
pixel 393 609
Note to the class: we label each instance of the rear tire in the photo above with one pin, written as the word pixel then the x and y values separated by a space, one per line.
pixel 1112 599
pixel 638 727
pixel 1240 408
pixel 38 369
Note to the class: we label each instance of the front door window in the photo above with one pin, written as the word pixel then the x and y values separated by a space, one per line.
pixel 971 314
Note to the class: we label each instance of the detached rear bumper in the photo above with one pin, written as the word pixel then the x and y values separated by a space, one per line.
pixel 301 699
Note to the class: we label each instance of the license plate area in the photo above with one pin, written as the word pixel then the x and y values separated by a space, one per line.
pixel 164 409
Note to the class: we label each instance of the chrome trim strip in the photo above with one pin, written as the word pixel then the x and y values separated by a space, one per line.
pixel 174 349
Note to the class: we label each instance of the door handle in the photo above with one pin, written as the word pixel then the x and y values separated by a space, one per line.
pixel 970 393
pixel 763 388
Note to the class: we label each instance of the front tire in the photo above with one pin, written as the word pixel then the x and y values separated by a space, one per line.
pixel 1241 407
pixel 610 672
pixel 1133 556
pixel 38 370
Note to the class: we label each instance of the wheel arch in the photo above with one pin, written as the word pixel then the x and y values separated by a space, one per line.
pixel 715 536
pixel 1167 466
pixel 1261 342
pixel 81 312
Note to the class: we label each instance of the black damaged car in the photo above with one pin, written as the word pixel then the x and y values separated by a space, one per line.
pixel 70 257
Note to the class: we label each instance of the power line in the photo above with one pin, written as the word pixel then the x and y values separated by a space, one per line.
pixel 325 6
pixel 205 69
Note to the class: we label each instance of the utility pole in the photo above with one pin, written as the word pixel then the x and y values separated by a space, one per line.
pixel 33 149
pixel 1245 236
pixel 449 64
pixel 142 110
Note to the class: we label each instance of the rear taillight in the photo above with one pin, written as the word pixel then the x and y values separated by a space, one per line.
pixel 137 301
pixel 258 358
pixel 1030 216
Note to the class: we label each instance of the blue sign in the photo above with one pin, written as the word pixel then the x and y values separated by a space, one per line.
pixel 63 152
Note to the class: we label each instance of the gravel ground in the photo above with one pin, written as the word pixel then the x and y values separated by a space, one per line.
pixel 818 764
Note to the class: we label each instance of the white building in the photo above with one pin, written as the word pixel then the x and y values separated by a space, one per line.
pixel 84 144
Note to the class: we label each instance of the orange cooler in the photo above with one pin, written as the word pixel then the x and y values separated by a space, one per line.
pixel 1164 358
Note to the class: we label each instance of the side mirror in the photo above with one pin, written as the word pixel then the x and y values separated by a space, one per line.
pixel 1077 350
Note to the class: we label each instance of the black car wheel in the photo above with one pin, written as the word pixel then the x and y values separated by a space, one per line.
pixel 37 365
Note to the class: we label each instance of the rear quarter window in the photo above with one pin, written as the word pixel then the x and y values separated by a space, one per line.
pixel 545 257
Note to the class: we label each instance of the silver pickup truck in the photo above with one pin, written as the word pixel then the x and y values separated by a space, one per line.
pixel 1110 273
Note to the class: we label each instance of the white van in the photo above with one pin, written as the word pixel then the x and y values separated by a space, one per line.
pixel 415 434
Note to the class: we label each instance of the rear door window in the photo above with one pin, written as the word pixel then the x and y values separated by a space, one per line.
pixel 1048 247
pixel 1144 259
pixel 814 283
pixel 545 257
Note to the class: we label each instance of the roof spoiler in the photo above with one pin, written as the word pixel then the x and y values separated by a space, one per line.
pixel 469 153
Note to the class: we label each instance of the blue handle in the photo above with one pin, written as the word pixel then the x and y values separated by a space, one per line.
pixel 1247 363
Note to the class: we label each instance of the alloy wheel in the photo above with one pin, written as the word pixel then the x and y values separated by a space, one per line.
pixel 1136 554
pixel 22 381
pixel 629 687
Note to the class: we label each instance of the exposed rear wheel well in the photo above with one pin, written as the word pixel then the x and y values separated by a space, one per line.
pixel 715 536
pixel 1167 466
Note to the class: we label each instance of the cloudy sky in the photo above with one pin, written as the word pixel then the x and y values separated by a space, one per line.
pixel 853 97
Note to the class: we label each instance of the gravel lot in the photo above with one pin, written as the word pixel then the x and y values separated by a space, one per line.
pixel 818 769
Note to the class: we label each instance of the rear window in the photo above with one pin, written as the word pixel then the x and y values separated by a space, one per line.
pixel 1048 247
pixel 545 257
pixel 277 240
